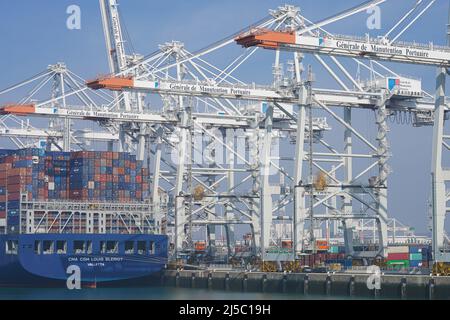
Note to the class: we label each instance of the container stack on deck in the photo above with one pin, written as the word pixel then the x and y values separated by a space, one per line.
pixel 57 166
pixel 107 176
pixel 74 176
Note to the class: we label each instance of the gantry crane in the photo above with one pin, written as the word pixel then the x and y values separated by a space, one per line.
pixel 382 49
pixel 295 40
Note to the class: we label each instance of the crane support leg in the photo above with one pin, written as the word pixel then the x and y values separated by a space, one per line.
pixel 300 192
pixel 266 192
pixel 347 204
pixel 439 174
pixel 381 192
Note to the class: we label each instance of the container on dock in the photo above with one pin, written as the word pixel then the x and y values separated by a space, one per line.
pixel 333 249
pixel 286 244
pixel 322 245
pixel 415 257
pixel 398 263
pixel 415 249
pixel 416 264
pixel 398 256
pixel 200 246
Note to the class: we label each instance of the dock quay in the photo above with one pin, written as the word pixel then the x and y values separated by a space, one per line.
pixel 352 285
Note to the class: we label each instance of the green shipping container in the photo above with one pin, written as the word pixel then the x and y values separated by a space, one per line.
pixel 415 256
pixel 398 263
pixel 334 249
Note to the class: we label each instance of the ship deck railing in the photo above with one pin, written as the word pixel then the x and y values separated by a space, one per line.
pixel 87 206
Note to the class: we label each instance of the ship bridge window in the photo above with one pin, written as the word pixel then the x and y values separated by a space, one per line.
pixel 12 247
pixel 129 247
pixel 141 247
pixel 61 247
pixel 102 246
pixel 48 247
pixel 112 247
pixel 89 247
pixel 151 249
pixel 37 247
pixel 79 247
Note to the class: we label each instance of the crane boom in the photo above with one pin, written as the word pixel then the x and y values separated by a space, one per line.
pixel 378 49
pixel 356 99
pixel 113 35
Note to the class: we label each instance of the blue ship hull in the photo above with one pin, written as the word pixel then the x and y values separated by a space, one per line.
pixel 49 259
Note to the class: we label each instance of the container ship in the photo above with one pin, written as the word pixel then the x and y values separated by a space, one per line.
pixel 84 211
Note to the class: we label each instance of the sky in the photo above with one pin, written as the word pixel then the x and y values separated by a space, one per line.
pixel 34 35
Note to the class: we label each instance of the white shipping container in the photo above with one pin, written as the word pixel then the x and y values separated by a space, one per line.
pixel 398 249
pixel 51 186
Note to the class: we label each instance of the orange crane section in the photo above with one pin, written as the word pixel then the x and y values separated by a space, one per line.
pixel 18 109
pixel 267 39
pixel 111 83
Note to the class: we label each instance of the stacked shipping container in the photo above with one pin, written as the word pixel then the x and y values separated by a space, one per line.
pixel 21 172
pixel 108 176
pixel 419 256
pixel 412 256
pixel 398 257
pixel 57 167
pixel 318 259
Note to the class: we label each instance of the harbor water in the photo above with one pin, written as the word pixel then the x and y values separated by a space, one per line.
pixel 147 293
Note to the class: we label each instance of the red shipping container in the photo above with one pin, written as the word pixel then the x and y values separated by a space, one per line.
pixel 14 196
pixel 75 193
pixel 398 256
pixel 20 171
pixel 13 188
pixel 5 166
pixel 22 180
pixel 2 214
